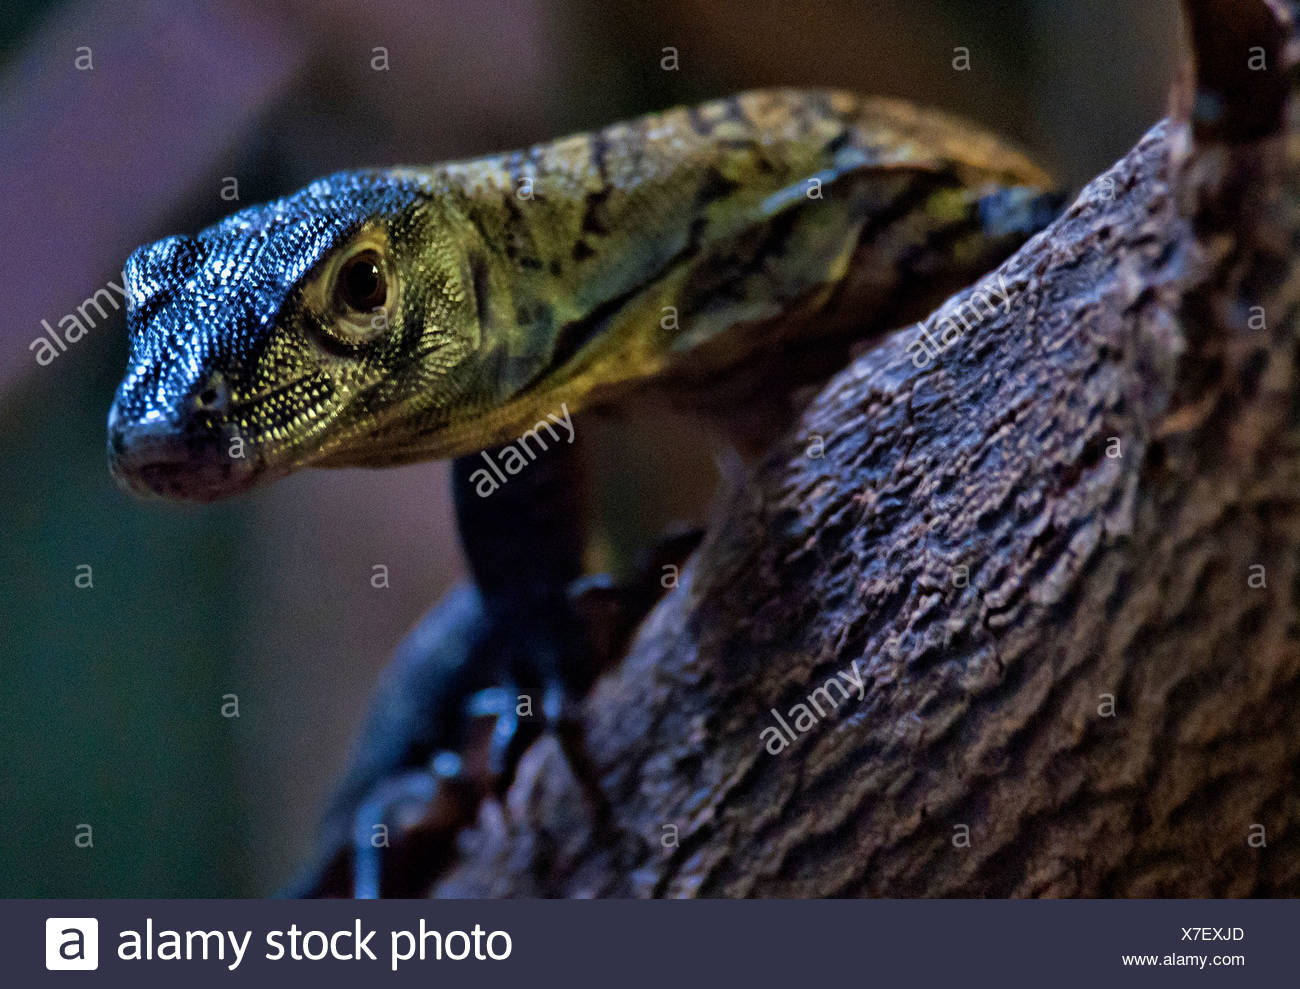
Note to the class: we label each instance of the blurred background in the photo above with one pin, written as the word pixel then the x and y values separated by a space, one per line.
pixel 122 123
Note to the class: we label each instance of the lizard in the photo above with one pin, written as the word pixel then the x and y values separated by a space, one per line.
pixel 383 316
pixel 714 259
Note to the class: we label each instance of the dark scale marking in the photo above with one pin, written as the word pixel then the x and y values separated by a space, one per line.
pixel 573 336
pixel 513 213
pixel 771 243
pixel 911 199
pixel 514 223
pixel 698 123
pixel 696 234
pixel 735 112
pixel 727 273
pixel 556 269
pixel 478 276
pixel 936 246
pixel 599 145
pixel 837 142
pixel 810 110
pixel 593 203
pixel 739 144
pixel 544 316
pixel 532 264
pixel 713 186
pixel 582 250
pixel 820 103
pixel 777 237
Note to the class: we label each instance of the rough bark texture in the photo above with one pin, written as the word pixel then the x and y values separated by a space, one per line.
pixel 1064 555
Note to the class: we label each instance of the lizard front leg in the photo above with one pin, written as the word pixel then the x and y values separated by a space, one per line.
pixel 524 542
pixel 417 712
pixel 509 646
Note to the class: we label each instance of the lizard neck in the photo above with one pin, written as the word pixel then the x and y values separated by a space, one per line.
pixel 707 238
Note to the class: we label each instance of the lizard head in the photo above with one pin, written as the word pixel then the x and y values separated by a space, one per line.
pixel 281 334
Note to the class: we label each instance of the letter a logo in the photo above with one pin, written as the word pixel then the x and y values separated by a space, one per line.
pixel 71 944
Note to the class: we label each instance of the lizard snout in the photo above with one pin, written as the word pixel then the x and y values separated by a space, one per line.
pixel 188 459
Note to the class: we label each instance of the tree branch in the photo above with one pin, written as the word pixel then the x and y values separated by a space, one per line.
pixel 1063 556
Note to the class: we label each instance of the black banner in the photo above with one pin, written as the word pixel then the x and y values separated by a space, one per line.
pixel 634 943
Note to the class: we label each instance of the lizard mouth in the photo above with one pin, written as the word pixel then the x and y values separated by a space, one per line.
pixel 155 458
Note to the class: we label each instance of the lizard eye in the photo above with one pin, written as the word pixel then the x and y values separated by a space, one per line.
pixel 361 295
pixel 362 285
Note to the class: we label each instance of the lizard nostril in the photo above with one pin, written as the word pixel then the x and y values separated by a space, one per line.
pixel 214 397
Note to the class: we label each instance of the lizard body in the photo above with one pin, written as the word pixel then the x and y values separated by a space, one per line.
pixel 389 315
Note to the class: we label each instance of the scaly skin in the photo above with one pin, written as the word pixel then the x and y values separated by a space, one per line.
pixel 701 253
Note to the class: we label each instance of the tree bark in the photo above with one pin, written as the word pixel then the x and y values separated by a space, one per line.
pixel 1063 558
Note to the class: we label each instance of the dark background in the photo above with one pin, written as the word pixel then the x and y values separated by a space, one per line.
pixel 110 696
